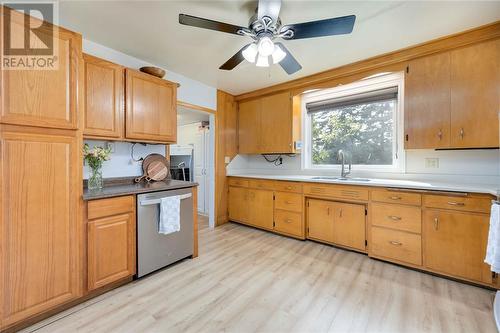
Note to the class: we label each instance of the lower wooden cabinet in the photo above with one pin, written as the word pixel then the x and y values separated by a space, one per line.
pixel 455 244
pixel 238 205
pixel 111 249
pixel 260 208
pixel 337 222
pixel 40 229
pixel 395 245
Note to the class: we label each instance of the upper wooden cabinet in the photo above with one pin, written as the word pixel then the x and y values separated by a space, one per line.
pixel 270 124
pixel 475 85
pixel 42 97
pixel 427 99
pixel 103 98
pixel 40 231
pixel 452 98
pixel 151 108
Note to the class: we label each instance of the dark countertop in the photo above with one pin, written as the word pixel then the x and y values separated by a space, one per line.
pixel 116 187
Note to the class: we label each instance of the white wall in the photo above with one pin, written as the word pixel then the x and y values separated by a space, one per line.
pixel 465 166
pixel 121 163
pixel 190 91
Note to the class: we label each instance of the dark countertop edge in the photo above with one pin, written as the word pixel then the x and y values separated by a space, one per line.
pixel 122 190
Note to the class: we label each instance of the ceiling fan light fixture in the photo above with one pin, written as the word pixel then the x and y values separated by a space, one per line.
pixel 278 54
pixel 265 47
pixel 250 53
pixel 262 61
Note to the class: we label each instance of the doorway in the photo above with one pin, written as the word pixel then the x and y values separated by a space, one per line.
pixel 194 154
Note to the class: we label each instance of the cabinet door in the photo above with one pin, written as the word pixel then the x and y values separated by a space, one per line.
pixel 455 244
pixel 111 249
pixel 260 208
pixel 151 113
pixel 249 123
pixel 427 99
pixel 103 97
pixel 238 204
pixel 349 227
pixel 276 124
pixel 475 77
pixel 40 228
pixel 42 97
pixel 320 220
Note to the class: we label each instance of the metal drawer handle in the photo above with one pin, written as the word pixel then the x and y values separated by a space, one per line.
pixel 288 202
pixel 394 197
pixel 394 218
pixel 436 223
pixel 317 189
pixel 289 187
pixel 453 203
pixel 288 221
pixel 395 243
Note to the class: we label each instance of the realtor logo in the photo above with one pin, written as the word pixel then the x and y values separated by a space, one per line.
pixel 28 40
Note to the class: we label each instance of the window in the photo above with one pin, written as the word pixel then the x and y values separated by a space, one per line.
pixel 362 119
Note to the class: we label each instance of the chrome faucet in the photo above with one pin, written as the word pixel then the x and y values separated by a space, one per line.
pixel 343 172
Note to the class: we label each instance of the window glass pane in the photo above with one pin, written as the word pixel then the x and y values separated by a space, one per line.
pixel 365 131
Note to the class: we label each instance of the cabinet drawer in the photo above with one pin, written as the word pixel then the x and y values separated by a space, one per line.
pixel 288 222
pixel 238 182
pixel 397 245
pixel 109 207
pixel 396 197
pixel 294 187
pixel 337 191
pixel 288 201
pixel 469 204
pixel 397 217
pixel 260 183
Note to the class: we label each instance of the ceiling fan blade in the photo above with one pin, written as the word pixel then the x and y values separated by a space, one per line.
pixel 234 61
pixel 329 27
pixel 289 63
pixel 209 24
pixel 269 8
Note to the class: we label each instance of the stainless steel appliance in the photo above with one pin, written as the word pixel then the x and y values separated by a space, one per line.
pixel 154 250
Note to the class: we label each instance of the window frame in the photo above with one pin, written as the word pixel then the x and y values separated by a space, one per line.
pixel 374 82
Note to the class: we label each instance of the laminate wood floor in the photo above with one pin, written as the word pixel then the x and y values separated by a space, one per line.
pixel 247 280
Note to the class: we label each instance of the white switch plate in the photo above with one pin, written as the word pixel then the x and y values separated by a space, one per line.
pixel 110 146
pixel 227 159
pixel 432 163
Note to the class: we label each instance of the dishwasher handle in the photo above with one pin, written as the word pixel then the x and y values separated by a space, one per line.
pixel 147 202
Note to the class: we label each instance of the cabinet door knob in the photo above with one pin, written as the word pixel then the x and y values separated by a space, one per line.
pixel 462 133
pixel 440 134
pixel 340 213
pixel 436 223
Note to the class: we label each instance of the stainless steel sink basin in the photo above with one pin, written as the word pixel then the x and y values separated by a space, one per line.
pixel 341 179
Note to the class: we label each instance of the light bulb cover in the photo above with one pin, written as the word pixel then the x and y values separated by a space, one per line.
pixel 262 61
pixel 250 53
pixel 278 54
pixel 265 46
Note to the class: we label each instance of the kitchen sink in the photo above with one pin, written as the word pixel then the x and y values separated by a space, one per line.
pixel 341 179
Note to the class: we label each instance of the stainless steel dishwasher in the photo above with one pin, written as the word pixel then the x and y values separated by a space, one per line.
pixel 154 250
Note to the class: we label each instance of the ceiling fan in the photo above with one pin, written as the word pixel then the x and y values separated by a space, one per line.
pixel 265 28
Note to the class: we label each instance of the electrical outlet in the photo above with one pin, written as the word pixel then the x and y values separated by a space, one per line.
pixel 432 163
pixel 110 146
pixel 227 159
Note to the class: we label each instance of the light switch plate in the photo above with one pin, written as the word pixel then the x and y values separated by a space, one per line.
pixel 432 162
pixel 110 146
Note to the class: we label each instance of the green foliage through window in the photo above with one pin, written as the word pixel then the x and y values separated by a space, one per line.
pixel 364 130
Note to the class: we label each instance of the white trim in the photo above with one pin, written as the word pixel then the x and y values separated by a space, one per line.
pixel 371 83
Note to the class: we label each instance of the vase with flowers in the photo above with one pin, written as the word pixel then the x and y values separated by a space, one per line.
pixel 94 158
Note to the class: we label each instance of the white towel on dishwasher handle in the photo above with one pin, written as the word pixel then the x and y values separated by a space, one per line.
pixel 170 215
pixel 493 248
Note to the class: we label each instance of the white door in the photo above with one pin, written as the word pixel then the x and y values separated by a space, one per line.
pixel 199 167
pixel 207 152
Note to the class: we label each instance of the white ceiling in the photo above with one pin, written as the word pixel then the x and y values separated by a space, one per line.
pixel 149 30
pixel 187 116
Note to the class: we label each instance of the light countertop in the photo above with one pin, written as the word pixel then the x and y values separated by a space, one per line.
pixel 492 189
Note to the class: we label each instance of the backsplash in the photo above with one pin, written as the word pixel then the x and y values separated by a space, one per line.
pixel 121 163
pixel 467 166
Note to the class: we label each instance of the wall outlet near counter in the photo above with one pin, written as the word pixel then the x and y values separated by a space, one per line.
pixel 110 145
pixel 432 163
